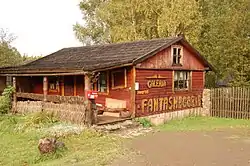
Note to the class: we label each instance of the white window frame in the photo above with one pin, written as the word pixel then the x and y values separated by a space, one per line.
pixel 188 80
pixel 181 54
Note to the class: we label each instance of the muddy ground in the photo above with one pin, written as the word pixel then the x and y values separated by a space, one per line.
pixel 192 148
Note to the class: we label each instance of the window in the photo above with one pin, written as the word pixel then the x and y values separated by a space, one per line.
pixel 177 55
pixel 181 80
pixel 101 84
pixel 53 84
pixel 119 78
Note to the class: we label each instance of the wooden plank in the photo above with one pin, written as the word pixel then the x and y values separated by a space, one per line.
pixel 233 103
pixel 223 102
pixel 241 102
pixel 230 102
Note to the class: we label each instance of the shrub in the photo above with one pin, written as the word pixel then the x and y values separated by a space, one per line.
pixel 145 122
pixel 40 118
pixel 5 100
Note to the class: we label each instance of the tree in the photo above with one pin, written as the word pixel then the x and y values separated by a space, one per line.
pixel 9 55
pixel 225 39
pixel 218 29
pixel 110 21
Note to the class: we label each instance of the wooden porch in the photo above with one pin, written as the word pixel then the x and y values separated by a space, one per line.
pixel 101 119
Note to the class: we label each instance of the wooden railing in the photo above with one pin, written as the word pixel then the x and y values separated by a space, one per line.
pixel 52 98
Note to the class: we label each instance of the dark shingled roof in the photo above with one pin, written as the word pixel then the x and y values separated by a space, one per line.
pixel 96 57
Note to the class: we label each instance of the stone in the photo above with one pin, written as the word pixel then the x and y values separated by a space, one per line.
pixel 49 145
pixel 46 145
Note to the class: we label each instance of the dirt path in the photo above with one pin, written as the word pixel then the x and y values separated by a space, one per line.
pixel 221 148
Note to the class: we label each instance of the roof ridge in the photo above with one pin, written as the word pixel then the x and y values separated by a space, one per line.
pixel 125 42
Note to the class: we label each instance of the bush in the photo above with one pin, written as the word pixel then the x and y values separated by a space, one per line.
pixel 5 100
pixel 40 118
pixel 145 122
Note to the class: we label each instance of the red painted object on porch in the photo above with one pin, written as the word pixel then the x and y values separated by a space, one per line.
pixel 92 94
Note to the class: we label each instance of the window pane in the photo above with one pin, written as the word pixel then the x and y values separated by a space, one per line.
pixel 102 82
pixel 174 59
pixel 119 78
pixel 179 51
pixel 175 76
pixel 176 84
pixel 176 54
pixel 181 79
pixel 174 51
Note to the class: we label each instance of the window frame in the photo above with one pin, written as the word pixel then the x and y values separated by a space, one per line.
pixel 188 81
pixel 125 79
pixel 56 82
pixel 96 84
pixel 181 55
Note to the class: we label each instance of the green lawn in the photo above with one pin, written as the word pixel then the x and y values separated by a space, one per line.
pixel 204 123
pixel 20 147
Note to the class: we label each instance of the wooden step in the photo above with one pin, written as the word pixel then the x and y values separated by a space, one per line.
pixel 113 114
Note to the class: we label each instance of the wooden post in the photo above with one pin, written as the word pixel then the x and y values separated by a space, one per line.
pixel 74 85
pixel 132 95
pixel 45 88
pixel 14 96
pixel 62 85
pixel 89 112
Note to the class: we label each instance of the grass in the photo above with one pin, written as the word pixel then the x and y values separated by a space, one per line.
pixel 20 147
pixel 204 123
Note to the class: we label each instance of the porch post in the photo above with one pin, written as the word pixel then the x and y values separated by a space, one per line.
pixel 14 96
pixel 133 91
pixel 74 85
pixel 89 112
pixel 45 88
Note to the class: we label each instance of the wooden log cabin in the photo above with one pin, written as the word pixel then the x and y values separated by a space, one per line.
pixel 143 77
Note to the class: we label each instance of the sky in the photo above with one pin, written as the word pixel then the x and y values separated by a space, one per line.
pixel 41 26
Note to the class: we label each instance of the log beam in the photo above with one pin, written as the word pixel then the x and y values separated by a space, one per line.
pixel 89 111
pixel 62 84
pixel 14 96
pixel 75 86
pixel 45 88
pixel 132 95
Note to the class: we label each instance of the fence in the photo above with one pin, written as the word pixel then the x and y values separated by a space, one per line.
pixel 75 113
pixel 232 102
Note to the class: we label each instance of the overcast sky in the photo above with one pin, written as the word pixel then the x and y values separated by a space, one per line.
pixel 41 26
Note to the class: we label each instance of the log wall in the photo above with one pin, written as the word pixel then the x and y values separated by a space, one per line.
pixel 157 100
pixel 163 60
pixel 120 94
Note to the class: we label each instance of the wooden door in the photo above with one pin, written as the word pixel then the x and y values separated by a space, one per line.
pixel 69 85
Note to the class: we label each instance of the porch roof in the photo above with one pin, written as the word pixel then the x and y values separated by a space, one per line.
pixel 96 57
